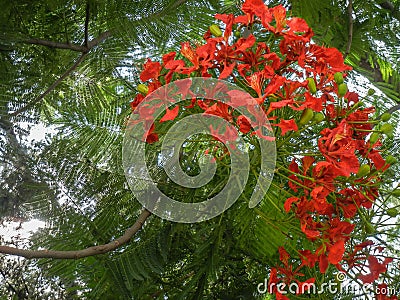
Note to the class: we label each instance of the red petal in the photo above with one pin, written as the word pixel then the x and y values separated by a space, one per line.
pixel 336 252
pixel 289 203
pixel 170 115
pixel 227 71
pixel 286 125
pixel 323 263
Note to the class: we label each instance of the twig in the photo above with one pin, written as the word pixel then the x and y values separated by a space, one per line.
pixel 350 36
pixel 390 111
pixel 50 88
pixel 393 109
pixel 11 287
pixel 75 254
pixel 84 49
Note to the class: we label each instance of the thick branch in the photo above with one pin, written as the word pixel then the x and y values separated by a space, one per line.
pixel 350 35
pixel 388 5
pixel 91 251
pixel 87 24
pixel 69 46
pixel 51 44
pixel 90 45
pixel 98 40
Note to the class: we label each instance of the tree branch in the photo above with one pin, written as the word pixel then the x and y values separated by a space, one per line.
pixel 87 24
pixel 388 5
pixel 69 46
pixel 393 109
pixel 75 254
pixel 350 36
pixel 51 87
pixel 104 35
pixel 51 44
pixel 91 44
pixel 11 287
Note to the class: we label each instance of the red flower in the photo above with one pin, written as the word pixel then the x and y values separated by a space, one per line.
pixel 286 125
pixel 279 14
pixel 308 258
pixel 151 70
pixel 150 136
pixel 244 124
pixel 336 252
pixel 228 20
pixel 383 292
pixel 323 263
pixel 220 109
pixel 289 202
pixel 257 8
pixel 138 99
pixel 375 268
pixel 338 147
pixel 170 115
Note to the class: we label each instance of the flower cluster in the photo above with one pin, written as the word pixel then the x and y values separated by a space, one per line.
pixel 298 84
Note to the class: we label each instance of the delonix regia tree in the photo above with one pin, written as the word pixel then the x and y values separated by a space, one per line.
pixel 75 66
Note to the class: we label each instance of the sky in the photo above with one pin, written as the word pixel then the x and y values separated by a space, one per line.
pixel 10 229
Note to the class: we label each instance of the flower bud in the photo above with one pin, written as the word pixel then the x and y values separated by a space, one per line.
pixel 363 171
pixel 342 89
pixel 369 228
pixel 142 88
pixel 396 192
pixel 306 116
pixel 374 137
pixel 311 85
pixel 390 159
pixel 392 212
pixel 338 77
pixel 386 128
pixel 215 30
pixel 319 117
pixel 386 117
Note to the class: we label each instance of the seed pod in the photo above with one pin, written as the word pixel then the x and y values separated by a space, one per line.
pixel 142 88
pixel 311 85
pixel 338 77
pixel 371 92
pixel 215 30
pixel 342 89
pixel 319 117
pixel 386 117
pixel 390 135
pixel 391 160
pixel 363 171
pixel 374 137
pixel 392 212
pixel 387 128
pixel 369 228
pixel 396 192
pixel 306 116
